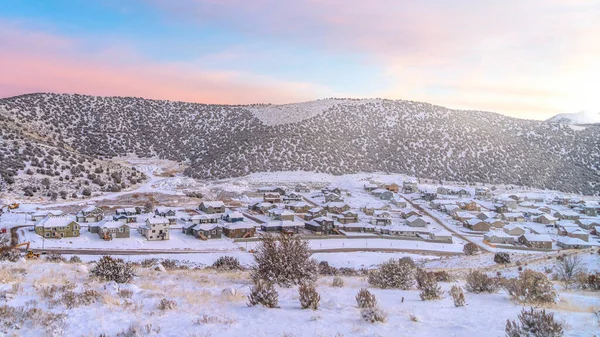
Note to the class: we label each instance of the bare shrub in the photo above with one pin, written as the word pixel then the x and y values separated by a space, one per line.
pixel 309 297
pixel 471 249
pixel 147 263
pixel 589 281
pixel 337 282
pixel 75 259
pixel 394 273
pixel 531 287
pixel 171 264
pixel 567 269
pixel 125 293
pixel 284 260
pixel 9 254
pixel 327 270
pixel 166 304
pixel 413 318
pixel 263 292
pixel 443 276
pixel 501 258
pixel 55 257
pixel 457 296
pixel 534 323
pixel 427 283
pixel 373 314
pixel 227 263
pixel 365 299
pixel 109 269
pixel 210 319
pixel 478 282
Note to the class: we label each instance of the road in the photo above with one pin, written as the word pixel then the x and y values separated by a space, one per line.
pixel 385 250
pixel 441 223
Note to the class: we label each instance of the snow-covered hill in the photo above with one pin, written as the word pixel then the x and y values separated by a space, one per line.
pixel 582 117
pixel 335 136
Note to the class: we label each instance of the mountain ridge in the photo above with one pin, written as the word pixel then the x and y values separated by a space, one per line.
pixel 350 136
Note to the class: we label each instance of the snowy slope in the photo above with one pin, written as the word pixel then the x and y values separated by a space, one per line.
pixel 582 117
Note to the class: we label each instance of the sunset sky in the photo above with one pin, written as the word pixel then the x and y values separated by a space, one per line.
pixel 526 58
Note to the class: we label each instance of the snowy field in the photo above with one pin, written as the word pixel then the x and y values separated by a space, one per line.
pixel 210 303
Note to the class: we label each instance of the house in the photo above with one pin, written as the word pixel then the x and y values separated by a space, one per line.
pixel 272 197
pixel 233 216
pixel 451 209
pixel 463 216
pixel 409 186
pixel 416 221
pixel 211 207
pixel 477 225
pixel 239 230
pixel 460 192
pixel 574 232
pixel 370 187
pixel 128 211
pixel 393 187
pixel 382 194
pixel 572 243
pixel 39 215
pixel 500 208
pixel 321 225
pixel 299 207
pixel 534 197
pixel 333 197
pixel 281 214
pixel 404 231
pixel 334 190
pixel 207 231
pixel 408 212
pixel 205 218
pixel 588 223
pixel 272 189
pixel 381 218
pixel 125 218
pixel 315 212
pixel 57 227
pixel 470 206
pixel 291 197
pixel 112 230
pixel 486 215
pixel 358 227
pixel 441 236
pixel 567 215
pixel 301 188
pixel 282 226
pixel 262 207
pixel 496 223
pixel 514 230
pixel 438 203
pixel 590 210
pixel 545 219
pixel 337 207
pixel 155 229
pixel 512 217
pixel 368 210
pixel 89 214
pixel 499 237
pixel 164 212
pixel 399 202
pixel 536 241
pixel 483 192
pixel 347 217
pixel 429 196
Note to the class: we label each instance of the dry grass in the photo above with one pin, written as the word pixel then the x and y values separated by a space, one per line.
pixel 212 319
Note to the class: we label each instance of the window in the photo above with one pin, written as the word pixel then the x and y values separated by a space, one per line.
pixel 151 236
pixel 154 231
pixel 120 229
pixel 47 234
pixel 214 231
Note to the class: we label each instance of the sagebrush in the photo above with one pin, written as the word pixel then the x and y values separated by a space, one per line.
pixel 394 273
pixel 111 269
pixel 534 323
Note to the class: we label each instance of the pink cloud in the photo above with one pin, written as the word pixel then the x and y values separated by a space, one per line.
pixel 34 62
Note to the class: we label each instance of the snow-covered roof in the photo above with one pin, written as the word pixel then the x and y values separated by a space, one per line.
pixel 336 204
pixel 239 225
pixel 235 214
pixel 281 211
pixel 537 238
pixel 498 234
pixel 157 221
pixel 54 221
pixel 206 226
pixel 404 228
pixel 285 223
pixel 574 230
pixel 112 224
pixel 512 226
pixel 566 223
pixel 548 217
pixel 465 215
pixel 475 221
pixel 413 218
pixel 513 215
pixel 89 209
pixel 299 204
pixel 54 212
pixel 567 240
pixel 589 222
pixel 568 213
pixel 371 186
pixel 213 204
pixel 323 218
pixel 315 210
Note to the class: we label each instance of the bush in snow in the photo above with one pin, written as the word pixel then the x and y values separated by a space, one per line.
pixel 284 260
pixel 166 304
pixel 309 297
pixel 227 263
pixel 470 249
pixel 534 323
pixel 373 314
pixel 531 287
pixel 326 269
pixel 263 292
pixel 338 282
pixel 75 259
pixel 589 281
pixel 442 276
pixel 502 258
pixel 427 283
pixel 364 299
pixel 568 268
pixel 109 269
pixel 9 254
pixel 394 273
pixel 55 257
pixel 478 282
pixel 457 296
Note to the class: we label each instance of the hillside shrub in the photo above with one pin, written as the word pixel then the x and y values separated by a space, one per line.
pixel 534 323
pixel 502 258
pixel 309 297
pixel 531 287
pixel 394 273
pixel 227 263
pixel 427 283
pixel 364 299
pixel 471 249
pixel 263 292
pixel 373 314
pixel 589 281
pixel 457 296
pixel 337 282
pixel 478 282
pixel 111 269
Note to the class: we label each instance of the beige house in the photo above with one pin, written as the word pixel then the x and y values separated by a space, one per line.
pixel 56 227
pixel 155 229
pixel 90 214
pixel 113 230
pixel 499 237
pixel 536 241
pixel 514 230
pixel 210 207
pixel 545 219
pixel 477 225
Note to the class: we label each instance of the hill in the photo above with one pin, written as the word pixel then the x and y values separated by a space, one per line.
pixel 334 136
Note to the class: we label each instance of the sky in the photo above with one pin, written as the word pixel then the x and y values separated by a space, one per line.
pixel 522 58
